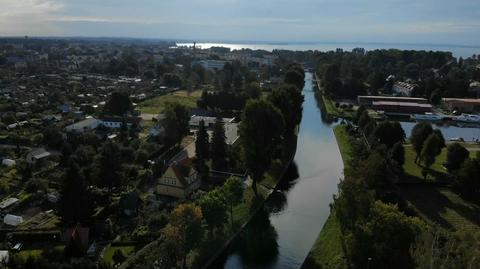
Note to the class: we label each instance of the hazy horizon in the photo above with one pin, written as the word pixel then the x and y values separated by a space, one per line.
pixel 344 21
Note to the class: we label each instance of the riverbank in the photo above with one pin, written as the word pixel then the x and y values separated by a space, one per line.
pixel 327 250
pixel 331 108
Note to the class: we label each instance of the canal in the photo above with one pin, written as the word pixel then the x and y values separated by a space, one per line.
pixel 282 233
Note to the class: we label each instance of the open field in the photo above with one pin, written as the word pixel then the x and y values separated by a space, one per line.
pixel 108 254
pixel 415 170
pixel 157 104
pixel 443 207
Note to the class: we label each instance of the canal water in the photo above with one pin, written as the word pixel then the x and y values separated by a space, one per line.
pixel 283 232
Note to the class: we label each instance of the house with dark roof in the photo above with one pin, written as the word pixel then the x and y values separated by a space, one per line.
pixel 76 240
pixel 180 180
pixel 37 155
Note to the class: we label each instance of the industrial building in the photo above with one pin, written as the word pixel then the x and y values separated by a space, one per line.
pixel 368 100
pixel 401 107
pixel 462 104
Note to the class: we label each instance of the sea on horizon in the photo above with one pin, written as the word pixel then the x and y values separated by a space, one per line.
pixel 456 50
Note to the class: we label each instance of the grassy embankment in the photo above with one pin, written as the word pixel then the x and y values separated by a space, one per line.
pixel 327 250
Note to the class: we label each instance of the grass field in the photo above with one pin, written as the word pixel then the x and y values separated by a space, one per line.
pixel 342 137
pixel 327 250
pixel 157 104
pixel 443 207
pixel 108 254
pixel 413 169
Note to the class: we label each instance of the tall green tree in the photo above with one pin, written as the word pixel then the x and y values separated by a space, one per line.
pixel 389 133
pixel 202 143
pixel 214 209
pixel 177 117
pixel 431 148
pixel 118 104
pixel 295 77
pixel 75 204
pixel 420 133
pixel 468 179
pixel 261 129
pixel 397 153
pixel 456 155
pixel 289 100
pixel 219 146
pixel 109 165
pixel 233 193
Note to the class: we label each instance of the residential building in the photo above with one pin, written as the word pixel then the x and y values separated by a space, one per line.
pixel 83 126
pixel 403 88
pixel 180 180
pixel 37 155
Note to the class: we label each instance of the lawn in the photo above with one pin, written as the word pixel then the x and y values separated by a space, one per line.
pixel 327 250
pixel 443 207
pixel 342 138
pixel 108 254
pixel 412 169
pixel 157 104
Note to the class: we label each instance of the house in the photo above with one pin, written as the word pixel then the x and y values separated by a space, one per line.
pixel 82 126
pixel 36 155
pixel 8 202
pixel 116 122
pixel 12 220
pixel 76 240
pixel 129 204
pixel 180 180
pixel 4 256
pixel 8 162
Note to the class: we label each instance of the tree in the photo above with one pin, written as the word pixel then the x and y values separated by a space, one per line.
pixel 118 257
pixel 468 179
pixel 202 143
pixel 436 97
pixel 261 128
pixel 214 209
pixel 386 238
pixel 219 146
pixel 364 120
pixel 109 165
pixel 253 90
pixel 177 117
pixel 295 77
pixel 233 193
pixel 75 203
pixel 456 155
pixel 118 104
pixel 172 80
pixel 184 230
pixel 420 133
pixel 52 137
pixel 431 148
pixel 289 100
pixel 397 153
pixel 389 133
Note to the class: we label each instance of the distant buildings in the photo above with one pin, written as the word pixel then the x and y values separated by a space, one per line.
pixel 210 64
pixel 403 88
pixel 368 100
pixel 110 122
pixel 462 104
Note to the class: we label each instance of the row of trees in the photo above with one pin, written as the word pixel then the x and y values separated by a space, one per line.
pixel 266 122
pixel 348 74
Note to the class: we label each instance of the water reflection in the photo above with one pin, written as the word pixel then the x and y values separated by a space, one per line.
pixel 258 247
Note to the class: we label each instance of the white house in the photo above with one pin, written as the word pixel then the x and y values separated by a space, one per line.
pixel 12 220
pixel 8 202
pixel 83 126
pixel 8 162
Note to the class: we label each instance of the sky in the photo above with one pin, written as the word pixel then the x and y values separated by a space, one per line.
pixel 395 21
